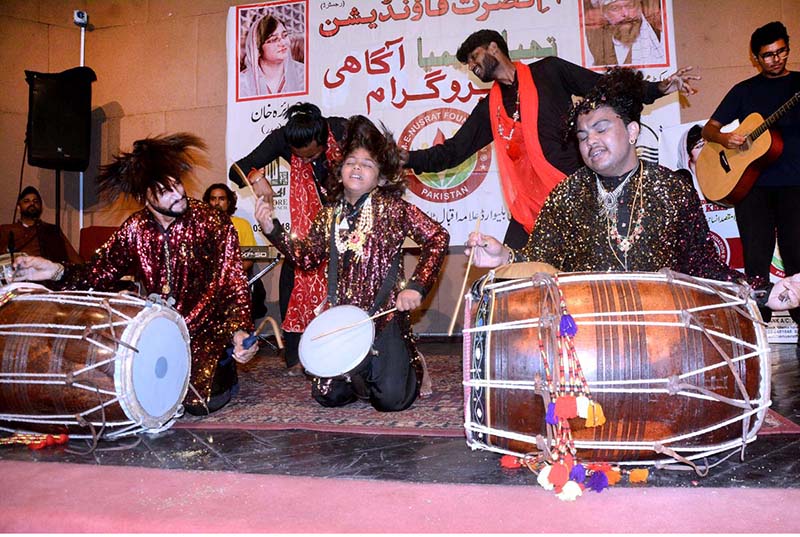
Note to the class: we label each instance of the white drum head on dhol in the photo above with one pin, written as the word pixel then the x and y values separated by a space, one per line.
pixel 343 349
pixel 155 379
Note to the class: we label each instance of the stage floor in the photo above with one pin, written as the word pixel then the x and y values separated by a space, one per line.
pixel 770 462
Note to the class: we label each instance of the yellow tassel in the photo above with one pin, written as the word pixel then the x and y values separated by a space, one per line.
pixel 595 416
pixel 639 475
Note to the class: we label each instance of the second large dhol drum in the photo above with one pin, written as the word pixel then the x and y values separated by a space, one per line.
pixel 90 364
pixel 680 365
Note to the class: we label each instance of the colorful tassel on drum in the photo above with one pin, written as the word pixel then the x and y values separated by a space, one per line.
pixel 595 416
pixel 582 406
pixel 638 475
pixel 510 461
pixel 566 407
pixel 567 326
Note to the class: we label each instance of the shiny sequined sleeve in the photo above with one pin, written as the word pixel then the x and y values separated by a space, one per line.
pixel 311 251
pixel 203 274
pixel 571 234
pixel 433 240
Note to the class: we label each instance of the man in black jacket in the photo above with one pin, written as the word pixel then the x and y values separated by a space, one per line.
pixel 310 143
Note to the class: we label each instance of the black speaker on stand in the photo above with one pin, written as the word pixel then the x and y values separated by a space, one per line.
pixel 58 133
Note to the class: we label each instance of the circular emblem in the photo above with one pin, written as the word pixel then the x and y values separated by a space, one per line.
pixel 432 128
pixel 721 245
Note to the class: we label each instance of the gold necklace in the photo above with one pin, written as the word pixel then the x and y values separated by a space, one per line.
pixel 635 229
pixel 353 240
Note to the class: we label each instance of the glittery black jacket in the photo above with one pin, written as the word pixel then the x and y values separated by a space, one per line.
pixel 573 236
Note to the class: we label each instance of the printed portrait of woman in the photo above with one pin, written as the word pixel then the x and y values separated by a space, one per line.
pixel 269 67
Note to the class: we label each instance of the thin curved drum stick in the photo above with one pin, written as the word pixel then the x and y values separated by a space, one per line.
pixel 244 178
pixel 275 330
pixel 353 325
pixel 464 283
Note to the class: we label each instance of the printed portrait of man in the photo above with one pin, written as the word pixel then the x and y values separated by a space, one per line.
pixel 624 32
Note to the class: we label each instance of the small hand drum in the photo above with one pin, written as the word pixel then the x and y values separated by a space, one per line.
pixel 336 341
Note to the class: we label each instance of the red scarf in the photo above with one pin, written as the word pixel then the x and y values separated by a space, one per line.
pixel 525 175
pixel 310 286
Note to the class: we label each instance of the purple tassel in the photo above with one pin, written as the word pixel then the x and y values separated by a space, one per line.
pixel 567 326
pixel 578 473
pixel 551 418
pixel 598 481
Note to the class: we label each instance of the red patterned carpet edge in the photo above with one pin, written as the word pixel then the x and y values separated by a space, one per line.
pixel 268 399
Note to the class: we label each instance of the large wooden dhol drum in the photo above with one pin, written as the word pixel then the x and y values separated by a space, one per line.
pixel 90 364
pixel 680 365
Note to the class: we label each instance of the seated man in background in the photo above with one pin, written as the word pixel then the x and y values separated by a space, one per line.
pixel 223 198
pixel 33 236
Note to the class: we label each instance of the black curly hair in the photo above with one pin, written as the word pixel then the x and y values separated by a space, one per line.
pixel 362 133
pixel 621 89
pixel 231 195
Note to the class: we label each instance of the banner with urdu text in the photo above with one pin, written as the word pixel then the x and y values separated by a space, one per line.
pixel 394 61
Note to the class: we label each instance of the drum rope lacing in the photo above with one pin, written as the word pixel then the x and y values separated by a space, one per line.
pixel 69 378
pixel 672 385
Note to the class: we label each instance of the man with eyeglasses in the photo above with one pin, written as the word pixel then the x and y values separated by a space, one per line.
pixel 770 209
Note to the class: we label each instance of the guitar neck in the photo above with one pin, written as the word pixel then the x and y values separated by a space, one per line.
pixel 774 117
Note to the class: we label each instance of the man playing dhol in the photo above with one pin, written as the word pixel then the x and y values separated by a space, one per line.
pixel 310 143
pixel 178 248
pixel 619 213
pixel 524 115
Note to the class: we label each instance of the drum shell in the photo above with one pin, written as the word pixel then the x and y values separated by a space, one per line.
pixel 622 350
pixel 58 354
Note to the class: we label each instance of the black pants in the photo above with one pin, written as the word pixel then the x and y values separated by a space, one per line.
pixel 224 386
pixel 291 340
pixel 387 380
pixel 762 216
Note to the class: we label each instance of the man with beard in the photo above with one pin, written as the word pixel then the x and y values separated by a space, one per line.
pixel 34 237
pixel 222 198
pixel 178 248
pixel 625 36
pixel 524 116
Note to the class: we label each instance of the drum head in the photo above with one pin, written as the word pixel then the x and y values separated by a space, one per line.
pixel 154 380
pixel 340 352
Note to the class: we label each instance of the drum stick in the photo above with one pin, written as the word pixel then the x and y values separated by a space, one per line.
pixel 464 283
pixel 362 321
pixel 244 178
pixel 275 330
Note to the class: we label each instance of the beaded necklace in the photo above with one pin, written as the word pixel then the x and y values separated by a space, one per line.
pixel 514 120
pixel 353 240
pixel 624 243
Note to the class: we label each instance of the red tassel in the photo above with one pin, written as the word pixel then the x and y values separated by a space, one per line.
pixel 509 461
pixel 566 407
pixel 559 474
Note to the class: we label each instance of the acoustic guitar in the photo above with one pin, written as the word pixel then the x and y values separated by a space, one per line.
pixel 726 175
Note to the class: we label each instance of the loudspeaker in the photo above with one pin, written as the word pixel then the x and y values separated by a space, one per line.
pixel 60 118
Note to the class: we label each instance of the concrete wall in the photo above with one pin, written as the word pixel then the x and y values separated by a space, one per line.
pixel 161 68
